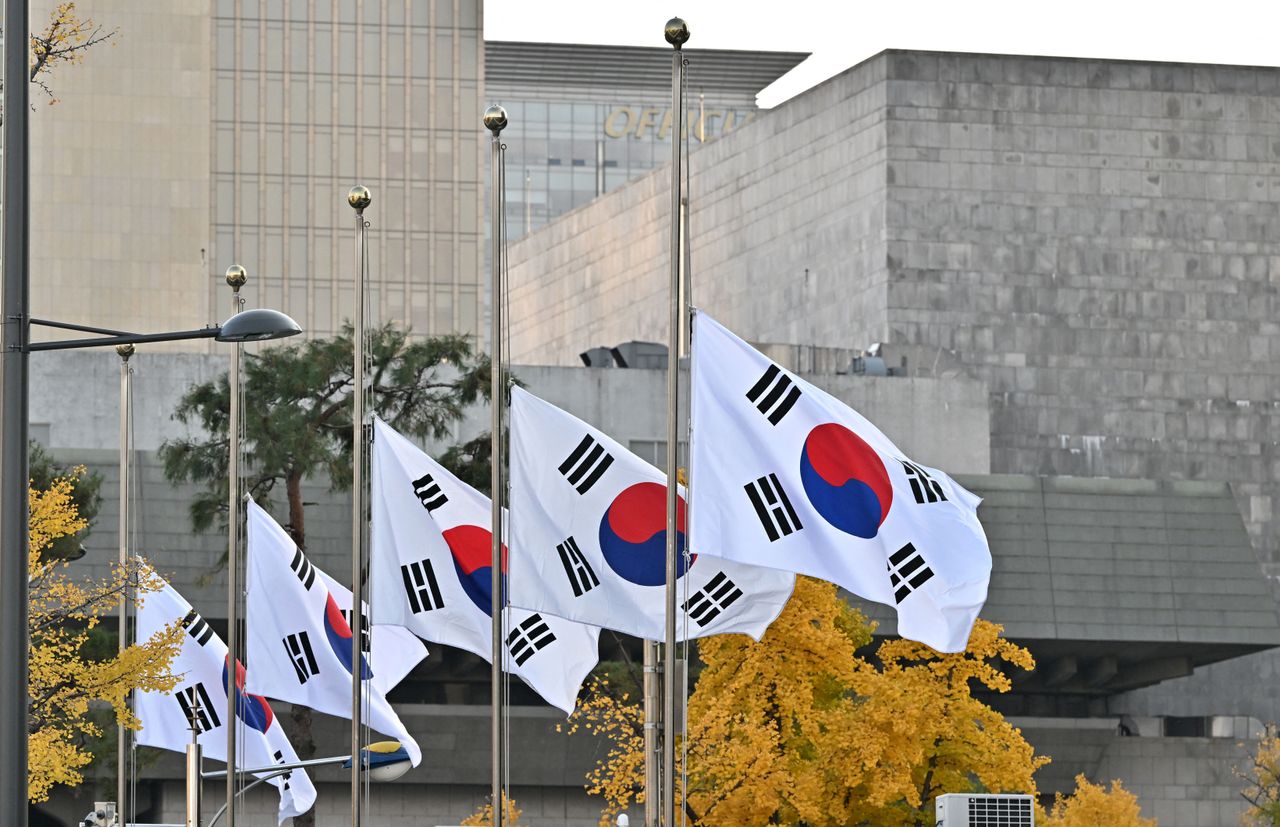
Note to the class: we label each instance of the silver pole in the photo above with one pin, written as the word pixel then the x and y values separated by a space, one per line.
pixel 122 732
pixel 14 314
pixel 194 775
pixel 676 33
pixel 495 120
pixel 236 278
pixel 652 720
pixel 193 784
pixel 359 197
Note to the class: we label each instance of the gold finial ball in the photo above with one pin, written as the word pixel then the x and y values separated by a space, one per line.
pixel 236 277
pixel 124 351
pixel 359 197
pixel 676 32
pixel 495 119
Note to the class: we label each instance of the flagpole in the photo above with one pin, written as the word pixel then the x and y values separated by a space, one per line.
pixel 676 33
pixel 359 197
pixel 236 278
pixel 122 732
pixel 495 120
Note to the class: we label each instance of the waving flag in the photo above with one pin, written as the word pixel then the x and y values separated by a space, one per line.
pixel 201 693
pixel 298 640
pixel 392 651
pixel 785 475
pixel 588 538
pixel 431 566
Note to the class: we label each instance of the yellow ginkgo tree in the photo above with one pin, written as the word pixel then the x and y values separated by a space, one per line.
pixel 64 681
pixel 799 728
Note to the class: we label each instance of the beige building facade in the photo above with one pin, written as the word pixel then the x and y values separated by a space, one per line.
pixel 210 133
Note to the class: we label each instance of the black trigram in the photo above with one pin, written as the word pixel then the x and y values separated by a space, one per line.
pixel 196 626
pixel 586 464
pixel 781 394
pixel 300 654
pixel 772 507
pixel 719 594
pixel 302 567
pixel 907 572
pixel 529 637
pixel 197 707
pixel 428 493
pixel 576 568
pixel 278 757
pixel 925 488
pixel 364 628
pixel 421 587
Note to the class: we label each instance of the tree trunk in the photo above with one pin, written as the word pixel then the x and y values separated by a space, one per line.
pixel 300 731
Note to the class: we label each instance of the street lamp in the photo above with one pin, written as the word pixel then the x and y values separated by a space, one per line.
pixel 383 760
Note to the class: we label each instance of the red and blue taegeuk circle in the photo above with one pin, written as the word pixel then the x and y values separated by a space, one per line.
pixel 845 480
pixel 252 709
pixel 472 550
pixel 633 534
pixel 338 632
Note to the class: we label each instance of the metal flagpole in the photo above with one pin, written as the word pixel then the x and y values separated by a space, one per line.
pixel 495 120
pixel 122 732
pixel 652 720
pixel 236 278
pixel 14 477
pixel 359 198
pixel 676 33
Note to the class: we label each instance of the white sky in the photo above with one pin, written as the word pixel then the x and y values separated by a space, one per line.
pixel 841 33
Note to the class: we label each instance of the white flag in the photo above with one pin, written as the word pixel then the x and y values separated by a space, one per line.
pixel 298 641
pixel 431 570
pixel 202 693
pixel 393 651
pixel 786 475
pixel 588 538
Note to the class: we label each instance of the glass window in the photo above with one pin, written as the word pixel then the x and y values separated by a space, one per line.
pixel 298 97
pixel 225 199
pixel 346 62
pixel 225 147
pixel 420 54
pixel 274 47
pixel 248 159
pixel 274 110
pixel 420 104
pixel 395 156
pixel 225 103
pixel 298 211
pixel 226 46
pixel 274 151
pixel 444 55
pixel 395 12
pixel 346 11
pixel 251 47
pixel 372 13
pixel 298 254
pixel 298 48
pixel 346 154
pixel 322 161
pixel 297 151
pixel 395 105
pixel 372 51
pixel 468 59
pixel 443 315
pixel 395 53
pixel 249 98
pixel 324 50
pixel 346 114
pixel 322 112
pixel 298 11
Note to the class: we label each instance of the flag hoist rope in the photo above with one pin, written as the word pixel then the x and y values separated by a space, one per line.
pixel 677 34
pixel 495 120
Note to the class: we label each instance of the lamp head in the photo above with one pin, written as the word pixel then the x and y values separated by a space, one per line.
pixel 256 326
pixel 384 760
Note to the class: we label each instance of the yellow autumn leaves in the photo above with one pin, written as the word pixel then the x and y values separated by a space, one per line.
pixel 64 682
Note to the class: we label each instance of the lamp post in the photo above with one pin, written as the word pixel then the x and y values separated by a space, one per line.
pixel 249 326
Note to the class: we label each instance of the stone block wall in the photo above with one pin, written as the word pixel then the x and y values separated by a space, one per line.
pixel 1099 241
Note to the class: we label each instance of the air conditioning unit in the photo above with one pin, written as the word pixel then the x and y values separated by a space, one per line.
pixel 964 810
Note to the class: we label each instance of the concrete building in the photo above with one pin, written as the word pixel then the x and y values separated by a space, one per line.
pixel 584 120
pixel 230 132
pixel 1095 241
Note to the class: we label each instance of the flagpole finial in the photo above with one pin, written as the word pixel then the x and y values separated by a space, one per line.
pixel 124 351
pixel 359 197
pixel 676 32
pixel 236 277
pixel 495 119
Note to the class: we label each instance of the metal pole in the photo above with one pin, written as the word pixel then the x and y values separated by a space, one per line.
pixel 652 721
pixel 236 278
pixel 13 420
pixel 495 120
pixel 359 198
pixel 676 33
pixel 122 732
pixel 193 784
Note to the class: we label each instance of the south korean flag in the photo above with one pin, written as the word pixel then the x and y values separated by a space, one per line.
pixel 298 639
pixel 431 568
pixel 785 475
pixel 588 538
pixel 201 698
